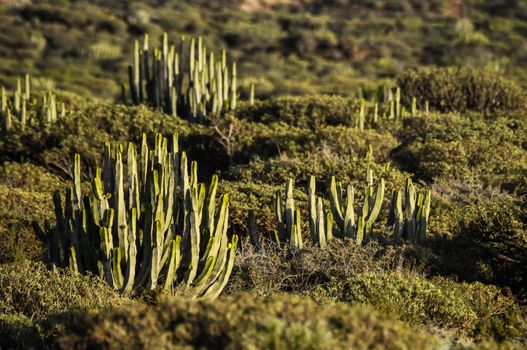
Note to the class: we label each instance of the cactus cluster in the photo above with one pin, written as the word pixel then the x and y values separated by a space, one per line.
pixel 339 220
pixel 184 79
pixel 385 105
pixel 21 108
pixel 408 213
pixel 147 223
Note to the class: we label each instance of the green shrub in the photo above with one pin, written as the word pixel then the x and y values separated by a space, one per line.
pixel 31 290
pixel 29 177
pixel 18 332
pixel 18 210
pixel 462 89
pixel 467 309
pixel 460 147
pixel 306 112
pixel 243 322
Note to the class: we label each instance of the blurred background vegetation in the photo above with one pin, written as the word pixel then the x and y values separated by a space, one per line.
pixel 293 47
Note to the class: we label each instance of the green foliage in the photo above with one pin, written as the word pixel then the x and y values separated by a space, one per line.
pixel 18 210
pixel 460 147
pixel 30 290
pixel 246 322
pixel 467 309
pixel 18 332
pixel 462 89
pixel 160 230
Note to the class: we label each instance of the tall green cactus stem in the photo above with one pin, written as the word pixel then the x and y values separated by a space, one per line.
pixel 409 212
pixel 288 220
pixel 143 225
pixel 312 208
pixel 251 95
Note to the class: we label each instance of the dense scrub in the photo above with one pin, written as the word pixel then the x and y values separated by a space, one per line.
pixel 243 322
pixel 462 89
pixel 475 310
pixel 327 47
pixel 464 286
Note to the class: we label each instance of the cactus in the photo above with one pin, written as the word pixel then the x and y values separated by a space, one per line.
pixel 21 110
pixel 343 209
pixel 288 220
pixel 409 212
pixel 147 224
pixel 339 219
pixel 186 81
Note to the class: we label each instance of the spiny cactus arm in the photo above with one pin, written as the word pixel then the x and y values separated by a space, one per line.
pixel 360 231
pixel 134 74
pixel 226 85
pixel 3 100
pixel 349 218
pixel 375 209
pixel 211 205
pixel 23 115
pixel 251 95
pixel 410 210
pixel 129 276
pixel 73 260
pixel 422 218
pixel 120 224
pixel 106 256
pixel 289 208
pixel 192 58
pixel 279 216
pixel 201 201
pixel 77 190
pixel 215 240
pixel 148 231
pixel 296 234
pixel 217 287
pixel 234 88
pixel 173 262
pixel 298 229
pixel 155 266
pixel 321 229
pixel 312 207
pixel 8 120
pixel 134 193
pixel 60 228
pixel 329 226
pixel 194 240
pixel 334 200
pixel 428 200
pixel 116 268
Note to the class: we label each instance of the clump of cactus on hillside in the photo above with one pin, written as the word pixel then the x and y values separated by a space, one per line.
pixel 185 79
pixel 338 215
pixel 22 108
pixel 147 223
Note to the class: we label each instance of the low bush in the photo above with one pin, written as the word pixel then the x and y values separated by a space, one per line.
pixel 462 89
pixel 306 112
pixel 31 290
pixel 243 322
pixel 459 147
pixel 474 310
